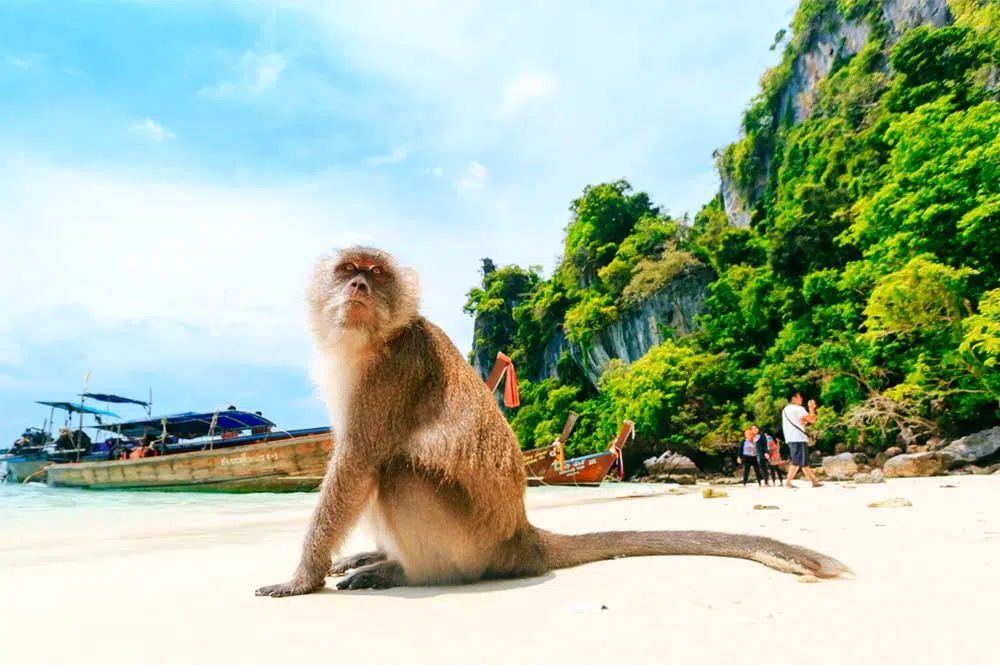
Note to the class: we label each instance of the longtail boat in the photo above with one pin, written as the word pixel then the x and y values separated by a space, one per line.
pixel 37 448
pixel 284 461
pixel 538 460
pixel 588 470
pixel 205 452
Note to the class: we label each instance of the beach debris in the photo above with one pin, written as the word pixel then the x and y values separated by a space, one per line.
pixel 583 606
pixel 709 493
pixel 808 579
pixel 893 502
pixel 764 506
pixel 948 486
pixel 676 491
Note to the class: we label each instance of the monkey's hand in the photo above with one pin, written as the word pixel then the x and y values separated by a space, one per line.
pixel 296 587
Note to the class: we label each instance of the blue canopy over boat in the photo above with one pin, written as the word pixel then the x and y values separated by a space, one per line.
pixel 189 424
pixel 78 408
pixel 113 399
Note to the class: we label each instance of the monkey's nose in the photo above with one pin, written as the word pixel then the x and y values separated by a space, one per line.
pixel 358 286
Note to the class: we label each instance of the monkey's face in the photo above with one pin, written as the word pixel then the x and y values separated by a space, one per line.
pixel 360 289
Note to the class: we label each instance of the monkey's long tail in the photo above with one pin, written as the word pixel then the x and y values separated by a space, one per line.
pixel 566 551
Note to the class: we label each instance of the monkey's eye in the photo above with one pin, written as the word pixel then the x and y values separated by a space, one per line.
pixel 347 267
pixel 376 270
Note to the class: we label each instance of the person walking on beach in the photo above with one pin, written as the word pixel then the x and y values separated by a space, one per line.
pixel 760 449
pixel 747 456
pixel 793 422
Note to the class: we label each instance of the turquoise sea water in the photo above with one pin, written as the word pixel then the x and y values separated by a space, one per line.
pixel 34 508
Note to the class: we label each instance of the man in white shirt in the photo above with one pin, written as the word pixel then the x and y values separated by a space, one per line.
pixel 793 424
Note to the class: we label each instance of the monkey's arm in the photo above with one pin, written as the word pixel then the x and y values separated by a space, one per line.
pixel 346 489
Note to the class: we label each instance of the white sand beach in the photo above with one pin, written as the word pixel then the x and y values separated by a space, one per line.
pixel 170 589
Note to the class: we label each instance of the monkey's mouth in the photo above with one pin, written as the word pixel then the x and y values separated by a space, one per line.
pixel 358 308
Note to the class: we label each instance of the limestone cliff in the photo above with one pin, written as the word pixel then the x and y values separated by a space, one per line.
pixel 670 312
pixel 823 40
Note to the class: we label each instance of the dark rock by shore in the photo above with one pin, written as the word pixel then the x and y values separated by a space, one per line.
pixel 973 448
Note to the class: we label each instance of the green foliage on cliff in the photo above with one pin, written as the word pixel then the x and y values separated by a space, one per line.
pixel 869 277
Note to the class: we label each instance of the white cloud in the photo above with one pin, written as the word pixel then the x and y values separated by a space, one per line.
pixel 11 353
pixel 254 74
pixel 19 62
pixel 646 100
pixel 268 69
pixel 151 130
pixel 525 88
pixel 169 274
pixel 474 177
pixel 435 171
pixel 396 155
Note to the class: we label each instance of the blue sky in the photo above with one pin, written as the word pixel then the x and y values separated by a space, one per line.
pixel 169 170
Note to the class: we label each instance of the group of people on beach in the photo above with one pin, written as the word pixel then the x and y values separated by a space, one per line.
pixel 762 452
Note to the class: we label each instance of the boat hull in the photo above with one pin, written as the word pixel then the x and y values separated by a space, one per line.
pixel 586 471
pixel 288 465
pixel 16 469
pixel 537 460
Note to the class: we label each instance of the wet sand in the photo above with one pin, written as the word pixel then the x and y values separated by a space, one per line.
pixel 158 588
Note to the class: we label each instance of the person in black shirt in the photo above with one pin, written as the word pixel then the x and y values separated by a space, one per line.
pixel 759 439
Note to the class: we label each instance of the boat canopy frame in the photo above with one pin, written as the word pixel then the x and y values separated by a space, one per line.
pixel 191 424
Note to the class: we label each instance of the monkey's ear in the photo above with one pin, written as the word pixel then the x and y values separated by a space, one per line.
pixel 411 279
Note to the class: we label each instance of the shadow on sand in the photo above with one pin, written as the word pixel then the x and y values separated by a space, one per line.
pixel 492 586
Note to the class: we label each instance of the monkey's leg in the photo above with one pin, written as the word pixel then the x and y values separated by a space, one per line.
pixel 381 575
pixel 352 561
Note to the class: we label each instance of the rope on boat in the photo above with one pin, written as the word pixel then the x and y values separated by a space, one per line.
pixel 36 472
pixel 211 432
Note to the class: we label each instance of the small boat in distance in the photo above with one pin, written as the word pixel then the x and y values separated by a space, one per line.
pixel 538 460
pixel 37 448
pixel 588 470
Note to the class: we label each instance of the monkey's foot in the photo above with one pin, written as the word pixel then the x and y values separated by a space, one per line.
pixel 293 588
pixel 381 575
pixel 346 563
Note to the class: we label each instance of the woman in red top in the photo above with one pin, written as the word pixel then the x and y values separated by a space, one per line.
pixel 774 459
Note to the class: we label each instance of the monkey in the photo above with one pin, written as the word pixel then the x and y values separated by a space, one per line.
pixel 423 454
